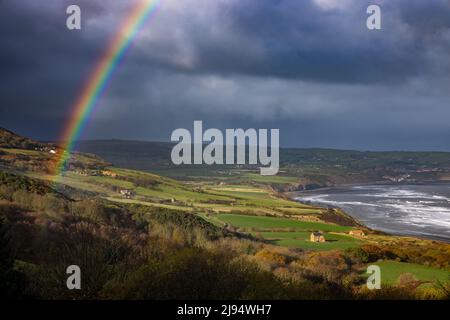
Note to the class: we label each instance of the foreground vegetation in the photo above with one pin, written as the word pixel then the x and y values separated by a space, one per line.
pixel 395 271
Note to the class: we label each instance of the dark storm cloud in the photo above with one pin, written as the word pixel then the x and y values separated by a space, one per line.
pixel 310 68
pixel 301 40
pixel 43 64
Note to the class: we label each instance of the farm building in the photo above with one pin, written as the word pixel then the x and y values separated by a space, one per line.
pixel 317 237
pixel 126 193
pixel 108 173
pixel 358 233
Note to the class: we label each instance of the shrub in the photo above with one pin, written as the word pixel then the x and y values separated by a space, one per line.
pixel 195 274
pixel 270 256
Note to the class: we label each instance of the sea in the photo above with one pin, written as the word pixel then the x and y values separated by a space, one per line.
pixel 417 210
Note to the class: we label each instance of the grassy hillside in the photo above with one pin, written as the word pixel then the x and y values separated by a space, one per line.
pixel 9 139
pixel 300 239
pixel 391 272
pixel 257 222
pixel 300 168
pixel 293 233
pixel 138 234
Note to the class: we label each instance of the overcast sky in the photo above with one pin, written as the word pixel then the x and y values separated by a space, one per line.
pixel 310 68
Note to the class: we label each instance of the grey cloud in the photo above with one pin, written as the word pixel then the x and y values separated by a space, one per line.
pixel 313 71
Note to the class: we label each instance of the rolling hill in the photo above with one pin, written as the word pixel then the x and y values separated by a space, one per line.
pixel 300 168
pixel 122 225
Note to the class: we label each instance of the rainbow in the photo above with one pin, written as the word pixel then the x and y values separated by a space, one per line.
pixel 100 77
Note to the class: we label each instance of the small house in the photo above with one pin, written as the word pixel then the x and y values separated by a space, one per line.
pixel 126 193
pixel 357 233
pixel 108 173
pixel 317 237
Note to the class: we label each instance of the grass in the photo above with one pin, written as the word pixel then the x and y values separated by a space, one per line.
pixel 301 240
pixel 22 151
pixel 295 234
pixel 129 173
pixel 200 196
pixel 204 196
pixel 258 197
pixel 212 219
pixel 106 181
pixel 229 174
pixel 277 179
pixel 179 193
pixel 151 204
pixel 262 222
pixel 391 270
pixel 240 205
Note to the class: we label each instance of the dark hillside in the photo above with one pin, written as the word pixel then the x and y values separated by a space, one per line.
pixel 9 139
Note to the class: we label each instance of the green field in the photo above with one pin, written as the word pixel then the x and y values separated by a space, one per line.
pixel 243 206
pixel 263 222
pixel 153 190
pixel 300 239
pixel 258 197
pixel 21 151
pixel 269 179
pixel 98 180
pixel 178 193
pixel 391 270
pixel 294 233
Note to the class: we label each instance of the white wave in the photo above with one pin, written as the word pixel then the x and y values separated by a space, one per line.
pixel 396 208
pixel 420 214
pixel 321 199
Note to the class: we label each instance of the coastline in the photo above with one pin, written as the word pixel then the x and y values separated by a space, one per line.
pixel 295 195
pixel 370 183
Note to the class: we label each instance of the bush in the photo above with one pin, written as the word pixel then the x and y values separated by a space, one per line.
pixel 12 282
pixel 270 256
pixel 195 274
